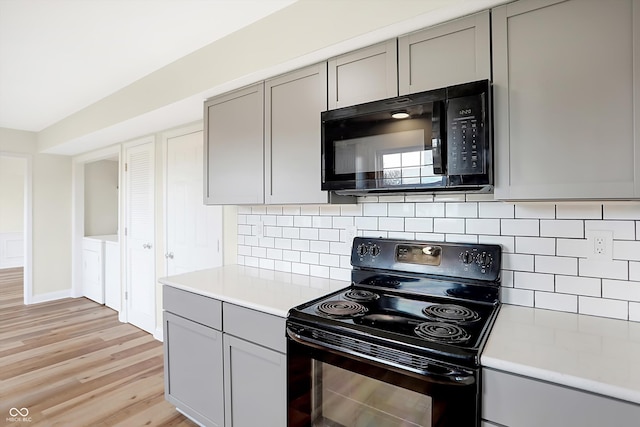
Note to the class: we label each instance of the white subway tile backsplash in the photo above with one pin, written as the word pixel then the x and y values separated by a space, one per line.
pixel 507 242
pixel 517 262
pixel 330 210
pixel 322 222
pixel 535 210
pixel 291 233
pixel 622 230
pixel 574 285
pixel 343 221
pixel 630 211
pixel 284 221
pixel 603 307
pixel 351 210
pixel 329 234
pixel 536 245
pixel 624 249
pixel 309 233
pixel 329 260
pixel 634 271
pixel 555 301
pixel 391 224
pixel 375 209
pixel 461 210
pixel 366 223
pixel 430 210
pixel 533 281
pixel 562 228
pixel 402 209
pixel 300 245
pixel 318 246
pixel 621 289
pixel 461 238
pixel 516 296
pixel 448 225
pixel 483 226
pixel 520 227
pixel 578 248
pixel 496 210
pixel 418 225
pixel 546 260
pixel 556 265
pixel 604 269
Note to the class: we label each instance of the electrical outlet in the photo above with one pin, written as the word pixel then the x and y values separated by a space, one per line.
pixel 350 232
pixel 601 245
pixel 259 229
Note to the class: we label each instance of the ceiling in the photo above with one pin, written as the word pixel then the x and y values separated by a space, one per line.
pixel 59 56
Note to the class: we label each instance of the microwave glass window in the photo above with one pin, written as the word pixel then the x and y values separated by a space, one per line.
pixel 407 168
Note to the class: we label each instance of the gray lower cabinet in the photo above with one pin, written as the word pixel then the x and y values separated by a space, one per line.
pixel 194 369
pixel 233 376
pixel 455 52
pixel 566 79
pixel 234 147
pixel 514 401
pixel 364 75
pixel 255 384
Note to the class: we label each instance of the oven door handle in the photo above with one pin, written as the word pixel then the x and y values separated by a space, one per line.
pixel 448 376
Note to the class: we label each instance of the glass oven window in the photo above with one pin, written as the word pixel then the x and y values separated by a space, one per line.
pixel 345 398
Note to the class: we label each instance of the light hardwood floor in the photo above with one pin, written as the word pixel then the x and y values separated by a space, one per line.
pixel 72 363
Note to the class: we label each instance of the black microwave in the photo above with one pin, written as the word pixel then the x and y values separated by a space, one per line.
pixel 429 141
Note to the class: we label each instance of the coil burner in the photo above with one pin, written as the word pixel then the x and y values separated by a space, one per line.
pixel 360 295
pixel 450 313
pixel 441 332
pixel 341 309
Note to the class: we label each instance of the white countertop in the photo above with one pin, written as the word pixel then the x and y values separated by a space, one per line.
pixel 268 291
pixel 585 352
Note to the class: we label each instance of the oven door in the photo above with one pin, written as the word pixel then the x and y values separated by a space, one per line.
pixel 341 387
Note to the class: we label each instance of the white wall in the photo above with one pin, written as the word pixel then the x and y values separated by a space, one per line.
pixel 101 198
pixel 12 175
pixel 51 237
pixel 545 249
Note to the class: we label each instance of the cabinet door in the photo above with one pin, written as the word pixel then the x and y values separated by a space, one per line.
pixel 452 53
pixel 365 75
pixel 566 99
pixel 255 385
pixel 193 370
pixel 234 147
pixel 292 136
pixel 93 270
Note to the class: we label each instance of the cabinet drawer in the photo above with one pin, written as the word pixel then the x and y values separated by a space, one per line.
pixel 251 325
pixel 200 309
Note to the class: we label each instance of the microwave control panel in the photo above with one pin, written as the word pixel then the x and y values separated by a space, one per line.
pixel 465 136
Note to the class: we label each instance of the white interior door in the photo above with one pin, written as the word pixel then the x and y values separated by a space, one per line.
pixel 194 230
pixel 139 236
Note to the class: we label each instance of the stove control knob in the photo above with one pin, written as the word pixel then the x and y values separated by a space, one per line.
pixel 362 249
pixel 374 250
pixel 484 260
pixel 466 257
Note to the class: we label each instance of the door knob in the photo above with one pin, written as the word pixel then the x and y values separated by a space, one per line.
pixel 146 245
pixel 169 255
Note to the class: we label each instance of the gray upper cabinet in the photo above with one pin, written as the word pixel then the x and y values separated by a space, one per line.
pixel 293 104
pixel 365 75
pixel 452 53
pixel 234 147
pixel 567 99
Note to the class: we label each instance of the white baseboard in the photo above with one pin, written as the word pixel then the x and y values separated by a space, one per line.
pixel 51 296
pixel 159 334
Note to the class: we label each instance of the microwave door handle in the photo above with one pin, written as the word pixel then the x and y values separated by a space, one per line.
pixel 438 134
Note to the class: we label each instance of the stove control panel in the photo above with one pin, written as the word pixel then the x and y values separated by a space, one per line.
pixel 464 260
